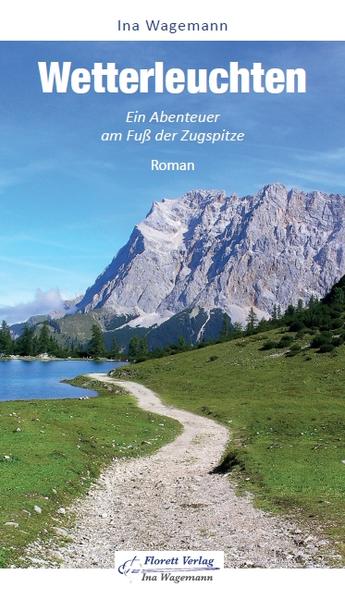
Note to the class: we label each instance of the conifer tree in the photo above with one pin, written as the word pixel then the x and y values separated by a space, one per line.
pixel 143 349
pixel 115 349
pixel 6 342
pixel 44 340
pixel 137 349
pixel 252 321
pixel 226 328
pixel 96 345
pixel 26 343
pixel 133 348
pixel 182 345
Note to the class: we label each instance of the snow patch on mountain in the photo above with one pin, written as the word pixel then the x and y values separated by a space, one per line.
pixel 147 320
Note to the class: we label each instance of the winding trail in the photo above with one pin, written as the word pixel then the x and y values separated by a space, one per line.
pixel 169 500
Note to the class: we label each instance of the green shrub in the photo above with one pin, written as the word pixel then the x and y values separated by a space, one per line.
pixel 295 347
pixel 326 348
pixel 337 341
pixel 300 334
pixel 337 323
pixel 320 340
pixel 285 341
pixel 335 312
pixel 296 326
pixel 291 354
pixel 268 345
pixel 212 358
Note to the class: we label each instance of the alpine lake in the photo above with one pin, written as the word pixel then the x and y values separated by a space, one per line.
pixel 41 379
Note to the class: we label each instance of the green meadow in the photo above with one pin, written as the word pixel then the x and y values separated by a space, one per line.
pixel 286 415
pixel 50 452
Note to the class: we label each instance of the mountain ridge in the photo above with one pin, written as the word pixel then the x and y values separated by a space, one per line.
pixel 206 250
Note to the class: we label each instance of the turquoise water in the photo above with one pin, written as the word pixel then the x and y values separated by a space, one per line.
pixel 20 379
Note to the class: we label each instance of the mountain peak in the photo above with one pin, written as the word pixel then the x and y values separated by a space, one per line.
pixel 274 188
pixel 203 196
pixel 212 251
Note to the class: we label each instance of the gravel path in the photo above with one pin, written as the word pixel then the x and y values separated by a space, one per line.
pixel 170 500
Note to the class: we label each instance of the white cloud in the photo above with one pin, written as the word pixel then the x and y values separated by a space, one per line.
pixel 44 302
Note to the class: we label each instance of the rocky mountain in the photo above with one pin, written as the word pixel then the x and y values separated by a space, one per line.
pixel 210 253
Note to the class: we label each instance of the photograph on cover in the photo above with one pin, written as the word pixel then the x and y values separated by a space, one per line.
pixel 172 306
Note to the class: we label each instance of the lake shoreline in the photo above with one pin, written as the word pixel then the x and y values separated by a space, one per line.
pixel 54 358
pixel 33 379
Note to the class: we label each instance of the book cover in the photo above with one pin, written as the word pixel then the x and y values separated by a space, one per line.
pixel 172 299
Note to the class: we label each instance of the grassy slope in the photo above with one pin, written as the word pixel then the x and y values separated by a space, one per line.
pixel 62 445
pixel 286 415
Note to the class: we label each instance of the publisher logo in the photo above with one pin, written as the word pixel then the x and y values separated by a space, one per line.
pixel 169 566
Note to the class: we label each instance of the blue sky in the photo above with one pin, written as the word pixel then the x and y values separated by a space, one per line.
pixel 69 201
